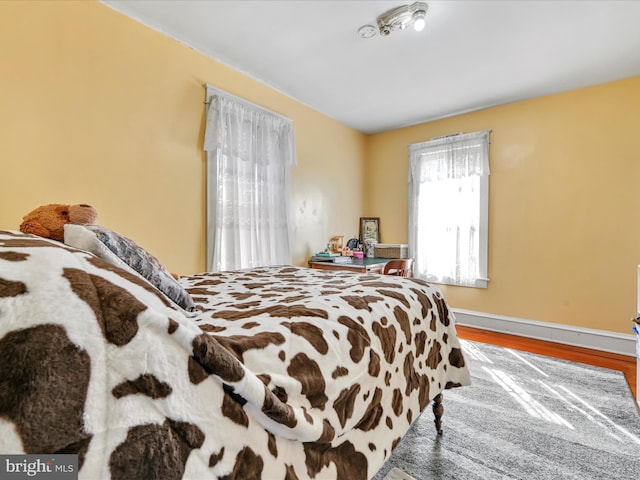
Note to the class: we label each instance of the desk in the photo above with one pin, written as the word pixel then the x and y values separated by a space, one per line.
pixel 359 265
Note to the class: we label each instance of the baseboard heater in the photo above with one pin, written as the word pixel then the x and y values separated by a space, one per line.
pixel 552 332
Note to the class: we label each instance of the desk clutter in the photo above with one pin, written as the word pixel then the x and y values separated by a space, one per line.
pixel 334 259
pixel 337 252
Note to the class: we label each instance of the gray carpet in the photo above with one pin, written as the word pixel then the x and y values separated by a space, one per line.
pixel 528 417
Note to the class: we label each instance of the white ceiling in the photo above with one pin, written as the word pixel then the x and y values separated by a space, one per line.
pixel 471 54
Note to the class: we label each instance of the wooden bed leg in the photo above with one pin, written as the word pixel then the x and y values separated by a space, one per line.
pixel 438 410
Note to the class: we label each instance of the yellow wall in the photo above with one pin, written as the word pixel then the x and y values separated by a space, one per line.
pixel 97 108
pixel 564 205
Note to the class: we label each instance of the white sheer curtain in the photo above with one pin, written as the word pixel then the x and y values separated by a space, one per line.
pixel 250 152
pixel 448 202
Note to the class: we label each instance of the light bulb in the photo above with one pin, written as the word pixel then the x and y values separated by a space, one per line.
pixel 418 25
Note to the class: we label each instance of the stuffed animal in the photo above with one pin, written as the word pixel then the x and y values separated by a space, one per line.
pixel 49 220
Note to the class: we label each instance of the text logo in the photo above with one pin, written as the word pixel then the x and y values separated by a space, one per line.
pixel 41 467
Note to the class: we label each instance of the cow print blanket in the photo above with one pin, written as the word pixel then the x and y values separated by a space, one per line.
pixel 285 372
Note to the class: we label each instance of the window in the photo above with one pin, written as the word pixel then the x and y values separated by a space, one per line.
pixel 448 209
pixel 250 152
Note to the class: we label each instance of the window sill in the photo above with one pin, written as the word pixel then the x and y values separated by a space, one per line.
pixel 479 283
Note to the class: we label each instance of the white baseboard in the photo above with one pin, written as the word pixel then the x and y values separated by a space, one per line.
pixel 551 332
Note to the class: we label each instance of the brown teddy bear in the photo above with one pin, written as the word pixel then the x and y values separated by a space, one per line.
pixel 49 220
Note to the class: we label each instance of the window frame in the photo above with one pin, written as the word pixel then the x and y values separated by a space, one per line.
pixel 482 279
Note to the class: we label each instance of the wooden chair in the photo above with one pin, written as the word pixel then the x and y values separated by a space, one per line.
pixel 399 268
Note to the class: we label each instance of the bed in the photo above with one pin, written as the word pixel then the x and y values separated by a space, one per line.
pixel 272 373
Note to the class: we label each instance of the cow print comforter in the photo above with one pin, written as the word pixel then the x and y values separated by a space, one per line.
pixel 284 373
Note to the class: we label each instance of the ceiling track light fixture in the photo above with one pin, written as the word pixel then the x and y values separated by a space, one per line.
pixel 401 17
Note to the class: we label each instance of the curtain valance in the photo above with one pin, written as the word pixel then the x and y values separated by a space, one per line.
pixel 250 133
pixel 456 156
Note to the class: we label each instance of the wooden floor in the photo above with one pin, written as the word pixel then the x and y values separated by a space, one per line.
pixel 623 363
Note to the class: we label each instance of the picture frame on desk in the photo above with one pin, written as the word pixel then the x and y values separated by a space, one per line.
pixel 369 229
